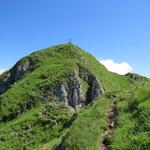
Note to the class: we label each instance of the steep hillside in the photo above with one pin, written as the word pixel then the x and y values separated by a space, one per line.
pixel 59 98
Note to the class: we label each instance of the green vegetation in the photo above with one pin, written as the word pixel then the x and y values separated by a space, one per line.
pixel 133 121
pixel 36 127
pixel 31 118
pixel 85 133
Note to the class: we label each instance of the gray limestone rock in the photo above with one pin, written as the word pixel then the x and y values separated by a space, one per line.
pixel 15 74
pixel 71 92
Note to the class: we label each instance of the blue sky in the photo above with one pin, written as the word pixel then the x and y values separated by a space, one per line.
pixel 109 29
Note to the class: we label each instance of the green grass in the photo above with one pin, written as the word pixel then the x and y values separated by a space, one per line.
pixel 36 127
pixel 133 120
pixel 86 132
pixel 30 119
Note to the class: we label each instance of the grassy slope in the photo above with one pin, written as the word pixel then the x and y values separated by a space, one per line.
pixel 86 131
pixel 36 127
pixel 82 135
pixel 54 65
pixel 133 121
pixel 32 131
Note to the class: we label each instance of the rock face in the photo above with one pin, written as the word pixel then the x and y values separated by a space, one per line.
pixel 71 92
pixel 15 74
pixel 95 89
pixel 133 77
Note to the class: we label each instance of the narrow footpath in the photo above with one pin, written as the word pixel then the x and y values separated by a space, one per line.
pixel 111 115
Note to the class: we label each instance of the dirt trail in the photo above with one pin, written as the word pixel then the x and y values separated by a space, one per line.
pixel 104 144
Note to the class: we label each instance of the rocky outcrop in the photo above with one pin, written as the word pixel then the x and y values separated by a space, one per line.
pixel 21 69
pixel 15 74
pixel 133 77
pixel 95 88
pixel 71 92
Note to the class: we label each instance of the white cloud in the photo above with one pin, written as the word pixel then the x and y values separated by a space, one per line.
pixel 1 71
pixel 120 68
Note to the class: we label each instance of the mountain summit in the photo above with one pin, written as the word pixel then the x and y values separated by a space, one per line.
pixel 62 98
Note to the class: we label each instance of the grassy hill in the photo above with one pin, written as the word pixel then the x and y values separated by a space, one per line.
pixel 59 98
